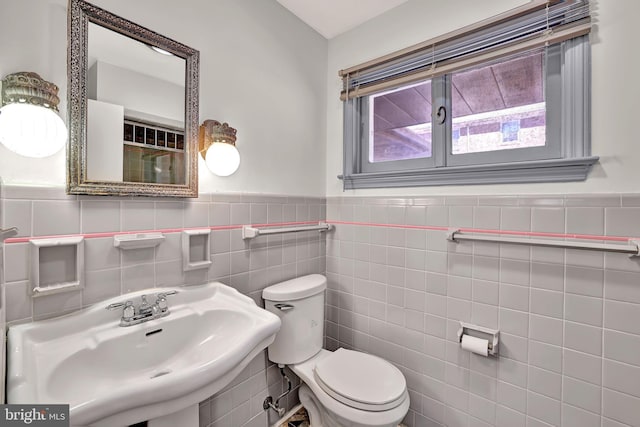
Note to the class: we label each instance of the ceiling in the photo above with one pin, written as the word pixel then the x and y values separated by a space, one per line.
pixel 109 46
pixel 333 17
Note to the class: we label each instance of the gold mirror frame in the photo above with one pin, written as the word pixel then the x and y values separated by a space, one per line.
pixel 79 16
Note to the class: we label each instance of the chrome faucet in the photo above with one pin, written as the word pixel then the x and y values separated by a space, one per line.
pixel 133 315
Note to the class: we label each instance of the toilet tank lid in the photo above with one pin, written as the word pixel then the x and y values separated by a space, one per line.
pixel 298 288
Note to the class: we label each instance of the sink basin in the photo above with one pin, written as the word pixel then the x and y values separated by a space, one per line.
pixel 115 376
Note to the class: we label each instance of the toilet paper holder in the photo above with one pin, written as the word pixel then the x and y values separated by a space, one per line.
pixel 491 335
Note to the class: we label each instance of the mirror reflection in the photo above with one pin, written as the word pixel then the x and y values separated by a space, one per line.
pixel 132 108
pixel 135 110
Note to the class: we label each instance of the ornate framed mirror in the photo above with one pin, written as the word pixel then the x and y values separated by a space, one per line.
pixel 132 108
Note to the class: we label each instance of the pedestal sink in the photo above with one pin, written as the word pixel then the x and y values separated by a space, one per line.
pixel 112 375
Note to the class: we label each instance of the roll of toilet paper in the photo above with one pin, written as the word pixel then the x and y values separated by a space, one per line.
pixel 475 345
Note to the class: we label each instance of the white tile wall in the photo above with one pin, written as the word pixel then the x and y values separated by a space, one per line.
pixel 569 319
pixel 249 267
pixel 570 341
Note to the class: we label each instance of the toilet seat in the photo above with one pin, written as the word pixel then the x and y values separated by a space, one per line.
pixel 361 380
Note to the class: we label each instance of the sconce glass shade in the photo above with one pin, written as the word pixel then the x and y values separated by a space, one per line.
pixel 29 120
pixel 31 130
pixel 217 145
pixel 222 158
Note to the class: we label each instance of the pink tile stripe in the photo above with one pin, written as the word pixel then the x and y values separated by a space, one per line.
pixel 366 224
pixel 489 231
pixel 163 230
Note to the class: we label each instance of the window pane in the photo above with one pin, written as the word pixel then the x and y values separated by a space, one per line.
pixel 139 134
pixel 401 124
pixel 161 136
pixel 499 107
pixel 171 140
pixel 141 164
pixel 128 132
pixel 151 136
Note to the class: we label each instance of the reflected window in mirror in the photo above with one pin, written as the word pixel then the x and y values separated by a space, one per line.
pixel 151 154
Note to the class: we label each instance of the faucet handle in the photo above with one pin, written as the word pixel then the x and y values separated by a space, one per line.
pixel 166 294
pixel 129 311
pixel 114 305
pixel 161 300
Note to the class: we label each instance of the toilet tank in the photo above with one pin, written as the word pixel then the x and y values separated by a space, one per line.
pixel 299 303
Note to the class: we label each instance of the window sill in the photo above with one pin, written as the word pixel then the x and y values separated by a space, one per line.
pixel 557 170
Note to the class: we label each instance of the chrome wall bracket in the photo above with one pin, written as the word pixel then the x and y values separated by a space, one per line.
pixel 9 232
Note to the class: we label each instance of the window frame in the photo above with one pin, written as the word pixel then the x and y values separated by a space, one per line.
pixel 565 157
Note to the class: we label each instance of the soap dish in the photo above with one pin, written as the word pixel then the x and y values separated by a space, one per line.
pixel 138 240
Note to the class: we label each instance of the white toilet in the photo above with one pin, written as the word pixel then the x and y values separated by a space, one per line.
pixel 344 388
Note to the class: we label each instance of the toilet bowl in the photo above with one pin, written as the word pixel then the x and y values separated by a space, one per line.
pixel 344 388
pixel 380 399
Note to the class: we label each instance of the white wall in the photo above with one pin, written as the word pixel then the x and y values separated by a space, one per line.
pixel 615 88
pixel 40 47
pixel 142 96
pixel 261 70
pixel 266 73
pixel 105 128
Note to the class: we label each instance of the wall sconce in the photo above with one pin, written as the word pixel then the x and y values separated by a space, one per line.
pixel 217 145
pixel 29 120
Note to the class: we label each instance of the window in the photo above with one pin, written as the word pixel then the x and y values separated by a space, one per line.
pixel 152 153
pixel 505 101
